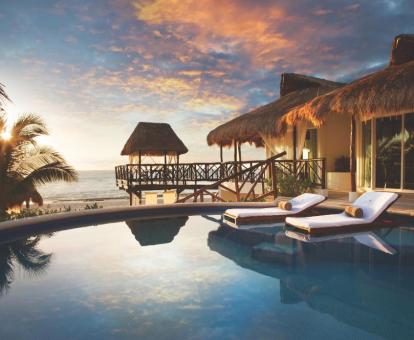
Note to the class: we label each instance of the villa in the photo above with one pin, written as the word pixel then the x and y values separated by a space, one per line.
pixel 364 130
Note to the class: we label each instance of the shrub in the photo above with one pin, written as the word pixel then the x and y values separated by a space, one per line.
pixel 290 185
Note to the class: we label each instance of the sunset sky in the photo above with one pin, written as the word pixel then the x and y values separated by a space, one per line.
pixel 93 69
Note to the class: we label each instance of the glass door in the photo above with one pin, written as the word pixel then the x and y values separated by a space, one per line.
pixel 388 152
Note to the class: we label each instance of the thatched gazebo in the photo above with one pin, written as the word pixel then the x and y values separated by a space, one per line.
pixel 262 123
pixel 153 139
pixel 388 92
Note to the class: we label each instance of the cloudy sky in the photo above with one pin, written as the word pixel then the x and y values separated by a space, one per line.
pixel 93 69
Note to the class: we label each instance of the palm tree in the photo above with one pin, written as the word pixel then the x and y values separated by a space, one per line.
pixel 25 254
pixel 24 164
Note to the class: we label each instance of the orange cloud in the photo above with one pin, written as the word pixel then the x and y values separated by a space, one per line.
pixel 222 26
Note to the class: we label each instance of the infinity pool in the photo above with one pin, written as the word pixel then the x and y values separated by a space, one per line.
pixel 191 277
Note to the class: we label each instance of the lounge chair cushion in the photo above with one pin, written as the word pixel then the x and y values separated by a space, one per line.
pixel 299 204
pixel 285 205
pixel 354 211
pixel 373 205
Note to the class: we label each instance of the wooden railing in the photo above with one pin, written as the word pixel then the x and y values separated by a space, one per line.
pixel 208 177
pixel 313 170
pixel 179 174
pixel 254 175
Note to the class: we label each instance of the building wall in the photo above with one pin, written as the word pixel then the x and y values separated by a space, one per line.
pixel 333 139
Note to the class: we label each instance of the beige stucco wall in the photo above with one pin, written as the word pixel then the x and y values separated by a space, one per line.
pixel 333 139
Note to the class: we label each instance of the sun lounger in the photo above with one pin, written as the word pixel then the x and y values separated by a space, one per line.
pixel 300 204
pixel 373 205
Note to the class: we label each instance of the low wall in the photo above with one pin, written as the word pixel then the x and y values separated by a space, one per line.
pixel 339 181
pixel 50 223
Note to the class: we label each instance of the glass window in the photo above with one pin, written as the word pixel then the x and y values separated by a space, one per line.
pixel 388 160
pixel 409 151
pixel 366 153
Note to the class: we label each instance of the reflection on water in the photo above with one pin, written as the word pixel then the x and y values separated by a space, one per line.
pixel 357 279
pixel 207 280
pixel 156 231
pixel 23 254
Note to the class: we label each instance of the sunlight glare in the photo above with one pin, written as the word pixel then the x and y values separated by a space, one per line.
pixel 6 135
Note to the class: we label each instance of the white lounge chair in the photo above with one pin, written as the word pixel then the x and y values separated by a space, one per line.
pixel 274 214
pixel 373 205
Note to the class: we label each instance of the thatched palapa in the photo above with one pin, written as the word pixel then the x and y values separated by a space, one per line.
pixel 154 139
pixel 383 93
pixel 295 90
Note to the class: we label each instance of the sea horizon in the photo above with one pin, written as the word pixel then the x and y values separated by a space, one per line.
pixel 92 185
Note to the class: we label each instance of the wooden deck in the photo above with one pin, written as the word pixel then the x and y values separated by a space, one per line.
pixel 202 178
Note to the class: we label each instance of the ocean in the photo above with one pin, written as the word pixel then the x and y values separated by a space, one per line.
pixel 92 185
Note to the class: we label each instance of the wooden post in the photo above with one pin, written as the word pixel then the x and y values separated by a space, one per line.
pixel 294 136
pixel 239 150
pixel 352 155
pixel 236 180
pixel 177 169
pixel 324 173
pixel 165 170
pixel 274 178
pixel 221 162
pixel 139 175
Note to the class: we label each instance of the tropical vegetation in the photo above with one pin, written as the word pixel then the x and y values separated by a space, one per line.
pixel 24 165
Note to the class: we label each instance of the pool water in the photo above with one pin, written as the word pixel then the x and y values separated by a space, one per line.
pixel 191 277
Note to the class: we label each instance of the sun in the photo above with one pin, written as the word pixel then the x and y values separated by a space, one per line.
pixel 6 135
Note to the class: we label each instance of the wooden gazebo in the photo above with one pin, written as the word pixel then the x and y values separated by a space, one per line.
pixel 150 140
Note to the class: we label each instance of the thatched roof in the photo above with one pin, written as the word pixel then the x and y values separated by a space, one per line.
pixel 250 127
pixel 386 92
pixel 154 139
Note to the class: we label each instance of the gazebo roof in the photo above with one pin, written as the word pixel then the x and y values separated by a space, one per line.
pixel 295 89
pixel 154 139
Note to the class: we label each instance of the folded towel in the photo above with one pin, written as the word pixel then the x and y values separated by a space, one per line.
pixel 354 211
pixel 285 205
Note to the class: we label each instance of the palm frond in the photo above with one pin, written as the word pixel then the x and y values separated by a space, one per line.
pixel 2 121
pixel 46 159
pixel 50 173
pixel 6 268
pixel 3 95
pixel 29 257
pixel 27 128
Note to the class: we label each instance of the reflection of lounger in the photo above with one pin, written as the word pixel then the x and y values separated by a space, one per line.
pixel 373 205
pixel 266 215
pixel 369 239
